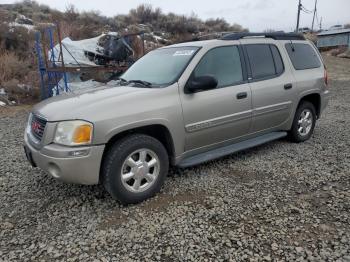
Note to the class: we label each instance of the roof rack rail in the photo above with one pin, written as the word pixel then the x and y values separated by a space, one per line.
pixel 275 36
pixel 210 36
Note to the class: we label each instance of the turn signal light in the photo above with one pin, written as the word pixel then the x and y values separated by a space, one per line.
pixel 82 134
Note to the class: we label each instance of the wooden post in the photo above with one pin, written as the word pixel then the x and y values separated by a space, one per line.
pixel 313 19
pixel 298 17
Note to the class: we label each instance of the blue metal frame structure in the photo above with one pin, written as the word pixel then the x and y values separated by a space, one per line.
pixel 41 64
pixel 52 69
pixel 50 77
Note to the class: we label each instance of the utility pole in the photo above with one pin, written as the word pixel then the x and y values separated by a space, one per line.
pixel 298 18
pixel 321 24
pixel 313 19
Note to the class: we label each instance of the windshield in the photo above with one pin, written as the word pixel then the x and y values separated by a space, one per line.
pixel 161 66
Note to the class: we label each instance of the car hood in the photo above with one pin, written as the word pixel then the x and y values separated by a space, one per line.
pixel 74 105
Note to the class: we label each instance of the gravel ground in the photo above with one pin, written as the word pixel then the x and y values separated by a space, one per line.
pixel 279 201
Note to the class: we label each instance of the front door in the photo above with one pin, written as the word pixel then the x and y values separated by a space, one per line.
pixel 220 114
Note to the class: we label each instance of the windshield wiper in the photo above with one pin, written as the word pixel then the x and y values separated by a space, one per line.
pixel 122 80
pixel 142 82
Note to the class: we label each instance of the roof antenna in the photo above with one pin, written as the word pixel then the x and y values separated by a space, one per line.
pixel 292 46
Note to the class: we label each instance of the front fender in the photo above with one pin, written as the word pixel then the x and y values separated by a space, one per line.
pixel 176 133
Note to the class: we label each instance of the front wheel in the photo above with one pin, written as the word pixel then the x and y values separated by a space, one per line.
pixel 303 123
pixel 134 168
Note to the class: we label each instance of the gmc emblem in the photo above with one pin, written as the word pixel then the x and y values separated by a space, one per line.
pixel 36 127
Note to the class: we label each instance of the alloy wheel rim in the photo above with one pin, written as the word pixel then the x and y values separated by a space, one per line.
pixel 140 170
pixel 305 122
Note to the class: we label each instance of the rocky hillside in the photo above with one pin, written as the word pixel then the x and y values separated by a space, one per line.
pixel 18 23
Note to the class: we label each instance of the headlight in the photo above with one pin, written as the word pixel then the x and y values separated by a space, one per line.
pixel 73 133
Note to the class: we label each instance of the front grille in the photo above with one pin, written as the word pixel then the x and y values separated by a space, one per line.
pixel 37 127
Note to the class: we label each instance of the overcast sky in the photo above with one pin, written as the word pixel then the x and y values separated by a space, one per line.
pixel 257 15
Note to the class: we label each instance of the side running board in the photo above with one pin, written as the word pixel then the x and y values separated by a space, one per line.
pixel 227 150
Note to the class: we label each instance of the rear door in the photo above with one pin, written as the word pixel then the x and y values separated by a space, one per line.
pixel 272 86
pixel 221 114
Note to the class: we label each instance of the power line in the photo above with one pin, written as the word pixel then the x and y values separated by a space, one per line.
pixel 302 8
pixel 306 10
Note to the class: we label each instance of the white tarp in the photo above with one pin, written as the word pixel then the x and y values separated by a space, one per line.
pixel 74 51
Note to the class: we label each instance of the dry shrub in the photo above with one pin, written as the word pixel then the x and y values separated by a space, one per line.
pixel 311 36
pixel 11 66
pixel 338 51
pixel 20 93
pixel 144 14
pixel 14 71
pixel 12 86
pixel 346 54
pixel 137 45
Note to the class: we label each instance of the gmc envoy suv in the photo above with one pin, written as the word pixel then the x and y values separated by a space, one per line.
pixel 180 105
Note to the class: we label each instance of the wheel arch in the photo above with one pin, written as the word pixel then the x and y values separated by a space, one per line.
pixel 157 131
pixel 313 98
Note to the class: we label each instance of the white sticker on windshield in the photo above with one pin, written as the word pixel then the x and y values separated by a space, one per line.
pixel 183 52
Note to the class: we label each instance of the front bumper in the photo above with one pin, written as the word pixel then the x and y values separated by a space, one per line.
pixel 62 162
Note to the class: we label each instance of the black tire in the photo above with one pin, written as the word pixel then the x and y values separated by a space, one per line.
pixel 294 134
pixel 113 162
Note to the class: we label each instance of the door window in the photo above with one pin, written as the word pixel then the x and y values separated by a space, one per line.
pixel 223 63
pixel 265 61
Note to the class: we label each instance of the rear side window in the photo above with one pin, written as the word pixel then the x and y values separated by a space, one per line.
pixel 303 56
pixel 223 63
pixel 265 61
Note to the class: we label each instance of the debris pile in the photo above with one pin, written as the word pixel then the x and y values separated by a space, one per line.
pixel 109 48
pixel 22 21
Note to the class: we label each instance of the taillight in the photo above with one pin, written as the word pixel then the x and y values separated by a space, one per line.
pixel 325 77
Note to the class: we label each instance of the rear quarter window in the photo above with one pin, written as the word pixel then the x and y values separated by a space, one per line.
pixel 303 56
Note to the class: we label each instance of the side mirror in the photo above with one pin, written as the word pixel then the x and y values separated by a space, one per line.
pixel 201 83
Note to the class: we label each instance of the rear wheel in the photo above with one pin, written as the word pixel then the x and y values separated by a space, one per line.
pixel 303 123
pixel 134 168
